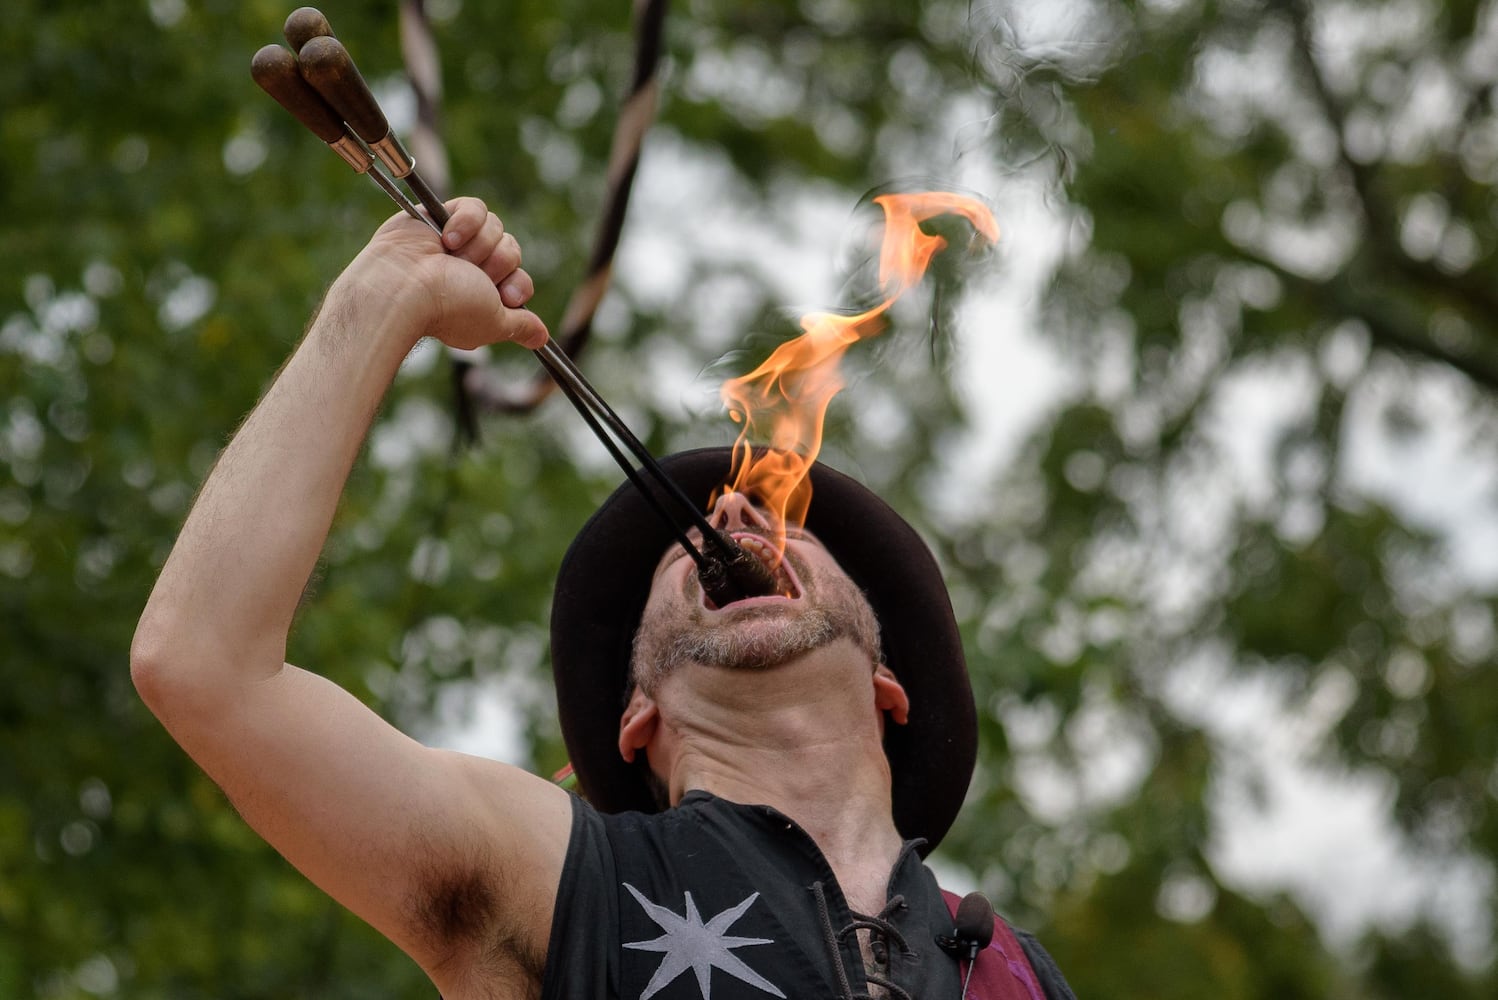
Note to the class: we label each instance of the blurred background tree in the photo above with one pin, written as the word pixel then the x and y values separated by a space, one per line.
pixel 1238 534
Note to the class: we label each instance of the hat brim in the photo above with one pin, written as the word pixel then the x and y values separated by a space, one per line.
pixel 600 596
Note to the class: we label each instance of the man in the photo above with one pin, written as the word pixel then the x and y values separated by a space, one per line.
pixel 783 867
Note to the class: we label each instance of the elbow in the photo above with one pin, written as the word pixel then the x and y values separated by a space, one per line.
pixel 151 664
pixel 165 666
pixel 179 669
pixel 167 671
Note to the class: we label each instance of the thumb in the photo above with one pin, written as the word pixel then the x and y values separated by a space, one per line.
pixel 520 326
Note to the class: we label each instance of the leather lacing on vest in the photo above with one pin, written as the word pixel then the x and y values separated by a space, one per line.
pixel 883 933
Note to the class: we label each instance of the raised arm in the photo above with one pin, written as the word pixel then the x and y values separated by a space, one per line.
pixel 416 841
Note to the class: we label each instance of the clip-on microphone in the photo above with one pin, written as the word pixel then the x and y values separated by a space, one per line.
pixel 972 932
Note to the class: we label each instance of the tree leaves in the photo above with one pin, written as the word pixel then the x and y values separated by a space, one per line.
pixel 1273 209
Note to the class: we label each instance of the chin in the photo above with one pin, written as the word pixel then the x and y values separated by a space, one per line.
pixel 758 642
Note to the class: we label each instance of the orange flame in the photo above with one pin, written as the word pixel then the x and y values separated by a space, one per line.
pixel 782 403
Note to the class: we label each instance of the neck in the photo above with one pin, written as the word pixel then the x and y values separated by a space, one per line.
pixel 805 738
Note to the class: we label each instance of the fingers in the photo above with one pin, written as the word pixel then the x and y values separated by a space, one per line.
pixel 468 307
pixel 513 321
pixel 472 231
pixel 477 235
pixel 467 218
pixel 503 260
pixel 516 288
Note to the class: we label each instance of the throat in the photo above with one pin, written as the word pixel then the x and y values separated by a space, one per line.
pixel 832 782
pixel 865 886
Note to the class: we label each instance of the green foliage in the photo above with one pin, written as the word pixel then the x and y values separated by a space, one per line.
pixel 168 231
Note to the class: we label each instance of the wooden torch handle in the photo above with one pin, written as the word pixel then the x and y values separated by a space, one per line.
pixel 275 70
pixel 303 25
pixel 327 65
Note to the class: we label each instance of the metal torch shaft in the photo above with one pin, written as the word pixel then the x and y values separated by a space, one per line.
pixel 324 89
pixel 328 67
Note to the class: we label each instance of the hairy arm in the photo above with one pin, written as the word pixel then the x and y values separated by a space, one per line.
pixel 384 825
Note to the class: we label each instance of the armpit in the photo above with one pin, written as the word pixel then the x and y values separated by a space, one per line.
pixel 469 918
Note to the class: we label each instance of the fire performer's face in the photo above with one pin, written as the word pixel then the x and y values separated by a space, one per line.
pixel 820 604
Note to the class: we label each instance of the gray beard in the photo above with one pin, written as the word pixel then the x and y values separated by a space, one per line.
pixel 757 647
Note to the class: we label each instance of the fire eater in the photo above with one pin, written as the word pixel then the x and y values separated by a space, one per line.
pixel 763 779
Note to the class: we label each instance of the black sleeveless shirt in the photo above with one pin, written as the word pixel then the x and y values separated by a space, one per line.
pixel 714 900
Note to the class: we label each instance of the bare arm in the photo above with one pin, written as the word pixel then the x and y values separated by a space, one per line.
pixel 399 833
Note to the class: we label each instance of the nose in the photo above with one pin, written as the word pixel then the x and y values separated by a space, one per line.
pixel 734 511
pixel 742 574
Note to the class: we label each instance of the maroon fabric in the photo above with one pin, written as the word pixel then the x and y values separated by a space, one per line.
pixel 1002 972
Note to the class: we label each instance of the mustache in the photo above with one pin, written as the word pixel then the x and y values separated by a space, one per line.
pixel 747 643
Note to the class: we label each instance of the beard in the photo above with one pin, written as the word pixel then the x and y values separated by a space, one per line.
pixel 759 638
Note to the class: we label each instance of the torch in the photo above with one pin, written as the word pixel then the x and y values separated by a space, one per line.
pixel 323 89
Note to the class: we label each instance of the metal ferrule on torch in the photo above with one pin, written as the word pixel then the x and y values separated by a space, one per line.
pixel 353 153
pixel 393 155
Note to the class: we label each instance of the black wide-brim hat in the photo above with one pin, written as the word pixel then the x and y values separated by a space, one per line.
pixel 600 596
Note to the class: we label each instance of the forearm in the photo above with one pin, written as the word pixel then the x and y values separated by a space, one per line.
pixel 223 605
pixel 221 610
pixel 369 814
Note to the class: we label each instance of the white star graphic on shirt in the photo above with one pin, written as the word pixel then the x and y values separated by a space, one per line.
pixel 690 944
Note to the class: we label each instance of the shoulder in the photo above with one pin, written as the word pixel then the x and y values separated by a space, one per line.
pixel 1051 980
pixel 582 952
pixel 1016 954
pixel 606 850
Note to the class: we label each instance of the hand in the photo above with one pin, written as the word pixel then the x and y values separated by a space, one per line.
pixel 467 290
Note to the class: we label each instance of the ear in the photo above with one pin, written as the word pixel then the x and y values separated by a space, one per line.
pixel 890 696
pixel 638 724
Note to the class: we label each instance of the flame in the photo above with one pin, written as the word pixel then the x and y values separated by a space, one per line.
pixel 782 404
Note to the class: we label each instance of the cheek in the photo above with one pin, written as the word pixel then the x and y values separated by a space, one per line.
pixel 651 615
pixel 666 600
pixel 819 578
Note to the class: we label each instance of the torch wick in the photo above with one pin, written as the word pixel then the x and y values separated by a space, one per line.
pixel 748 573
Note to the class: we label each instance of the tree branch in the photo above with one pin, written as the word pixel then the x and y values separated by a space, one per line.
pixel 1477 296
pixel 1389 324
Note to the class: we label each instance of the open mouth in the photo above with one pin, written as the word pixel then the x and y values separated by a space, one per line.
pixel 787 584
